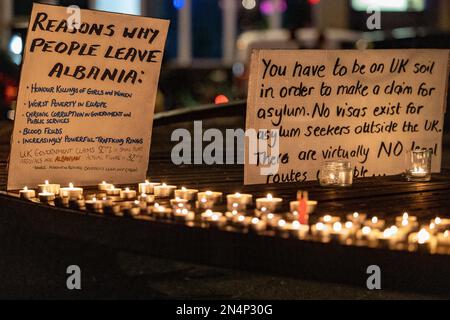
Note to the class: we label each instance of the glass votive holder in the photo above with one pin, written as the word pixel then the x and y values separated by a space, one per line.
pixel 418 165
pixel 337 173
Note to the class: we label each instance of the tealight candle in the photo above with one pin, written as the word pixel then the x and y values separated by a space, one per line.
pixel 241 221
pixel 419 166
pixel 77 203
pixel 46 197
pixel 320 231
pixel 132 209
pixel 327 219
pixel 164 191
pixel 388 238
pixel 183 215
pixel 269 202
pixel 215 197
pixel 71 192
pixel 94 205
pixel 27 194
pixel 128 194
pixel 186 194
pixel 443 238
pixel 49 188
pixel 111 208
pixel 338 233
pixel 357 218
pixel 104 186
pixel 375 223
pixel 148 187
pixel 204 204
pixel 298 230
pixel 161 211
pixel 424 241
pixel 442 224
pixel 208 215
pixel 113 192
pixel 239 201
pixel 146 198
pixel 258 225
pixel 368 235
pixel 271 219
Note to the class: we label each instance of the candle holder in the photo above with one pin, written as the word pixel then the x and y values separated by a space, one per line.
pixel 418 165
pixel 337 173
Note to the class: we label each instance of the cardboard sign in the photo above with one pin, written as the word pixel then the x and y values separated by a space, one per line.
pixel 86 98
pixel 369 107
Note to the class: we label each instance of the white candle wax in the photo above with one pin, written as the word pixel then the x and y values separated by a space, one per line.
pixel 148 187
pixel 298 230
pixel 46 196
pixel 49 187
pixel 164 191
pixel 104 186
pixel 214 196
pixel 27 194
pixel 329 220
pixel 269 202
pixel 186 194
pixel 113 191
pixel 71 192
pixel 239 201
pixel 375 223
pixel 128 194
pixel 183 215
pixel 258 224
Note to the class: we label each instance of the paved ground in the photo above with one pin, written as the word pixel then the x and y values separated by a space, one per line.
pixel 34 266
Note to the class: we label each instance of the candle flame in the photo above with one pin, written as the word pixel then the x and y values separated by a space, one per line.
pixel 296 224
pixel 437 220
pixel 25 188
pixel 208 193
pixel 94 199
pixel 215 217
pixel 147 182
pixel 281 223
pixel 71 185
pixel 127 189
pixel 423 236
pixel 164 184
pixel 446 234
pixel 405 216
pixel 269 196
pixel 237 194
pixel 183 188
pixel 255 220
pixel 241 218
pixel 327 218
pixel 375 219
pixel 355 215
pixel 349 225
pixel 405 222
pixel 47 182
pixel 270 216
pixel 320 226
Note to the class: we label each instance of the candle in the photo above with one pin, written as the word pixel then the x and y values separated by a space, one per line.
pixel 46 197
pixel 258 225
pixel 320 231
pixel 148 187
pixel 76 203
pixel 441 223
pixel 327 219
pixel 339 233
pixel 178 202
pixel 183 215
pixel 443 238
pixel 375 223
pixel 204 204
pixel 49 188
pixel 161 211
pixel 419 166
pixel 418 172
pixel 164 191
pixel 271 219
pixel 71 192
pixel 357 218
pixel 27 194
pixel 62 202
pixel 269 202
pixel 146 198
pixel 293 205
pixel 104 186
pixel 111 208
pixel 113 191
pixel 423 240
pixel 94 205
pixel 186 194
pixel 337 173
pixel 215 197
pixel 131 209
pixel 388 238
pixel 368 235
pixel 241 221
pixel 239 201
pixel 128 194
pixel 298 230
pixel 211 216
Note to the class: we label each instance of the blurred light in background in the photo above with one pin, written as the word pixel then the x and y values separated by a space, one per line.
pixel 238 69
pixel 221 99
pixel 389 5
pixel 129 6
pixel 269 7
pixel 178 4
pixel 249 4
pixel 16 48
pixel 313 2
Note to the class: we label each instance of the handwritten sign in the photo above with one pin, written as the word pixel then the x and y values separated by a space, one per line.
pixel 86 98
pixel 369 107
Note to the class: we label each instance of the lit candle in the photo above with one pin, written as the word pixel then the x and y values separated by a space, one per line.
pixel 71 192
pixel 375 223
pixel 269 202
pixel 148 187
pixel 146 198
pixel 113 191
pixel 298 230
pixel 46 197
pixel 271 219
pixel 131 209
pixel 164 191
pixel 442 224
pixel 27 194
pixel 357 218
pixel 111 208
pixel 104 186
pixel 418 172
pixel 388 238
pixel 257 224
pixel 204 204
pixel 239 201
pixel 215 197
pixel 443 238
pixel 210 215
pixel 49 188
pixel 94 205
pixel 330 220
pixel 128 194
pixel 241 221
pixel 161 211
pixel 320 231
pixel 183 215
pixel 186 194
pixel 424 241
pixel 368 235
pixel 179 203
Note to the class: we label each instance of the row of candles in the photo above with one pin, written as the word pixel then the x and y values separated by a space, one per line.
pixel 168 201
